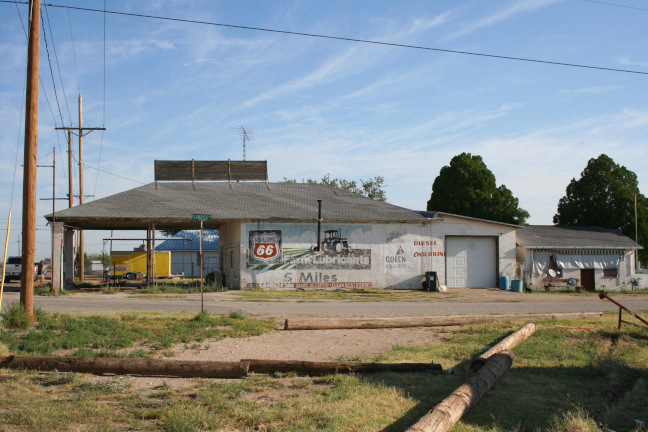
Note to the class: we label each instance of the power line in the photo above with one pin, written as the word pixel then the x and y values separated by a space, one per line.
pixel 346 39
pixel 58 66
pixel 49 61
pixel 116 175
pixel 104 98
pixel 76 68
pixel 616 5
pixel 39 78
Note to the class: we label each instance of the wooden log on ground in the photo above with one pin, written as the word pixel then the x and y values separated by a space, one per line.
pixel 312 368
pixel 129 366
pixel 508 343
pixel 436 321
pixel 451 409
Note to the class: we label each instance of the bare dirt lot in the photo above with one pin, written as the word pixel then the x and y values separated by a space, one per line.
pixel 310 345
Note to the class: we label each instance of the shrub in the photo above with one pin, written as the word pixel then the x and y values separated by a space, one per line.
pixel 16 317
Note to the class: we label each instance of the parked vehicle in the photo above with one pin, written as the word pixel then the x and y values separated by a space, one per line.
pixel 14 268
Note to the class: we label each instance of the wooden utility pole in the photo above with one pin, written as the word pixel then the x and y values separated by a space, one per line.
pixel 30 160
pixel 53 166
pixel 81 249
pixel 80 130
pixel 71 185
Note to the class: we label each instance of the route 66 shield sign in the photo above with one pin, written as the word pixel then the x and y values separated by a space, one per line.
pixel 265 247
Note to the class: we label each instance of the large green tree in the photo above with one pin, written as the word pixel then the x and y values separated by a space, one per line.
pixel 604 196
pixel 467 187
pixel 371 188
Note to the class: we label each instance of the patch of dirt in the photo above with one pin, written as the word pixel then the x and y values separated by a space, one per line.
pixel 310 345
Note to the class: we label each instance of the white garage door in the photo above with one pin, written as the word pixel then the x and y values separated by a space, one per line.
pixel 471 262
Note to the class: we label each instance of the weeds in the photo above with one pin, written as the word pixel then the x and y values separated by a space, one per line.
pixel 117 335
pixel 16 317
pixel 568 377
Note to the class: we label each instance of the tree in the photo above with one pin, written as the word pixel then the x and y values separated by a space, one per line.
pixel 371 188
pixel 169 232
pixel 101 256
pixel 467 187
pixel 604 196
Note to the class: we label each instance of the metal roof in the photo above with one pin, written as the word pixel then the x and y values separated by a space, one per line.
pixel 180 241
pixel 171 205
pixel 573 237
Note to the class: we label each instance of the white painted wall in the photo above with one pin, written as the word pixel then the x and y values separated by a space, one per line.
pixel 381 255
pixel 626 272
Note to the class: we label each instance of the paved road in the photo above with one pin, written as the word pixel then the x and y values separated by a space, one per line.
pixel 457 302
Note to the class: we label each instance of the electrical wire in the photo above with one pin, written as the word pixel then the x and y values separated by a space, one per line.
pixel 346 39
pixel 39 78
pixel 76 68
pixel 49 61
pixel 116 175
pixel 58 66
pixel 616 5
pixel 104 99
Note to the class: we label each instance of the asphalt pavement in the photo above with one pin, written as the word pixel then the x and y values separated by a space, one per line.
pixel 455 302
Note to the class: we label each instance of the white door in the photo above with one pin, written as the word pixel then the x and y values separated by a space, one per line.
pixel 471 262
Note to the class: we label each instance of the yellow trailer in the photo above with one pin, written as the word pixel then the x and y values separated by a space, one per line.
pixel 124 262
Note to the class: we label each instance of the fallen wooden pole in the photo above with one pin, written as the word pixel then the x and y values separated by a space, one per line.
pixel 436 321
pixel 451 409
pixel 334 367
pixel 507 343
pixel 129 366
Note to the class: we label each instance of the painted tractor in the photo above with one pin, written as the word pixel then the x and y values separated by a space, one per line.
pixel 333 242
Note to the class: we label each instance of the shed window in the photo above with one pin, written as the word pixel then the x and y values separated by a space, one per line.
pixel 610 272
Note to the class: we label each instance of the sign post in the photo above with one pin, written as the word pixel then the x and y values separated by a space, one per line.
pixel 202 218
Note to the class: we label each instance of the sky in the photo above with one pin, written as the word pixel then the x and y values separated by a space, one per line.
pixel 172 90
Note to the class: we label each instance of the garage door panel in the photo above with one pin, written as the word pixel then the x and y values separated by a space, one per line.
pixel 471 262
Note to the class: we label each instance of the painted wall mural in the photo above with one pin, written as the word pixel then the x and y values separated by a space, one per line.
pixel 265 247
pixel 293 252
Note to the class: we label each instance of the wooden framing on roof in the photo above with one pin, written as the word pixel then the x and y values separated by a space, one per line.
pixel 194 170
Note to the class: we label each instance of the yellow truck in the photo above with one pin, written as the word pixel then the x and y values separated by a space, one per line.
pixel 122 263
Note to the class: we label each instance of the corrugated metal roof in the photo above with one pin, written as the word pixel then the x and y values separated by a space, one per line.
pixel 172 205
pixel 211 241
pixel 573 237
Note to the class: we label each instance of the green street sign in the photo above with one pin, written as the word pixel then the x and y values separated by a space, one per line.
pixel 201 217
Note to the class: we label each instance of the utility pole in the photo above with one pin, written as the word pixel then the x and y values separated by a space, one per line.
pixel 30 161
pixel 81 251
pixel 70 195
pixel 80 130
pixel 53 166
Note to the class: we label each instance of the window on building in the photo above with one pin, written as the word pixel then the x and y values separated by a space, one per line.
pixel 610 272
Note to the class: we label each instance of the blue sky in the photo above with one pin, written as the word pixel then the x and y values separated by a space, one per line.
pixel 314 106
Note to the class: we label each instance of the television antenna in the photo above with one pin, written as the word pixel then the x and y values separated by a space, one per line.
pixel 245 134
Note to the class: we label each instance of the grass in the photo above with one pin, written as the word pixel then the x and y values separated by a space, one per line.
pixel 355 295
pixel 182 287
pixel 119 335
pixel 569 376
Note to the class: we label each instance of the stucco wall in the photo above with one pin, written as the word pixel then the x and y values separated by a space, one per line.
pixel 230 250
pixel 282 256
pixel 626 272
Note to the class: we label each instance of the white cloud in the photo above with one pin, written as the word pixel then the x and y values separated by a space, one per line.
pixel 590 90
pixel 628 62
pixel 513 9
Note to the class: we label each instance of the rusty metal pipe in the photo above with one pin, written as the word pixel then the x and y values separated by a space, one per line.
pixel 603 295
